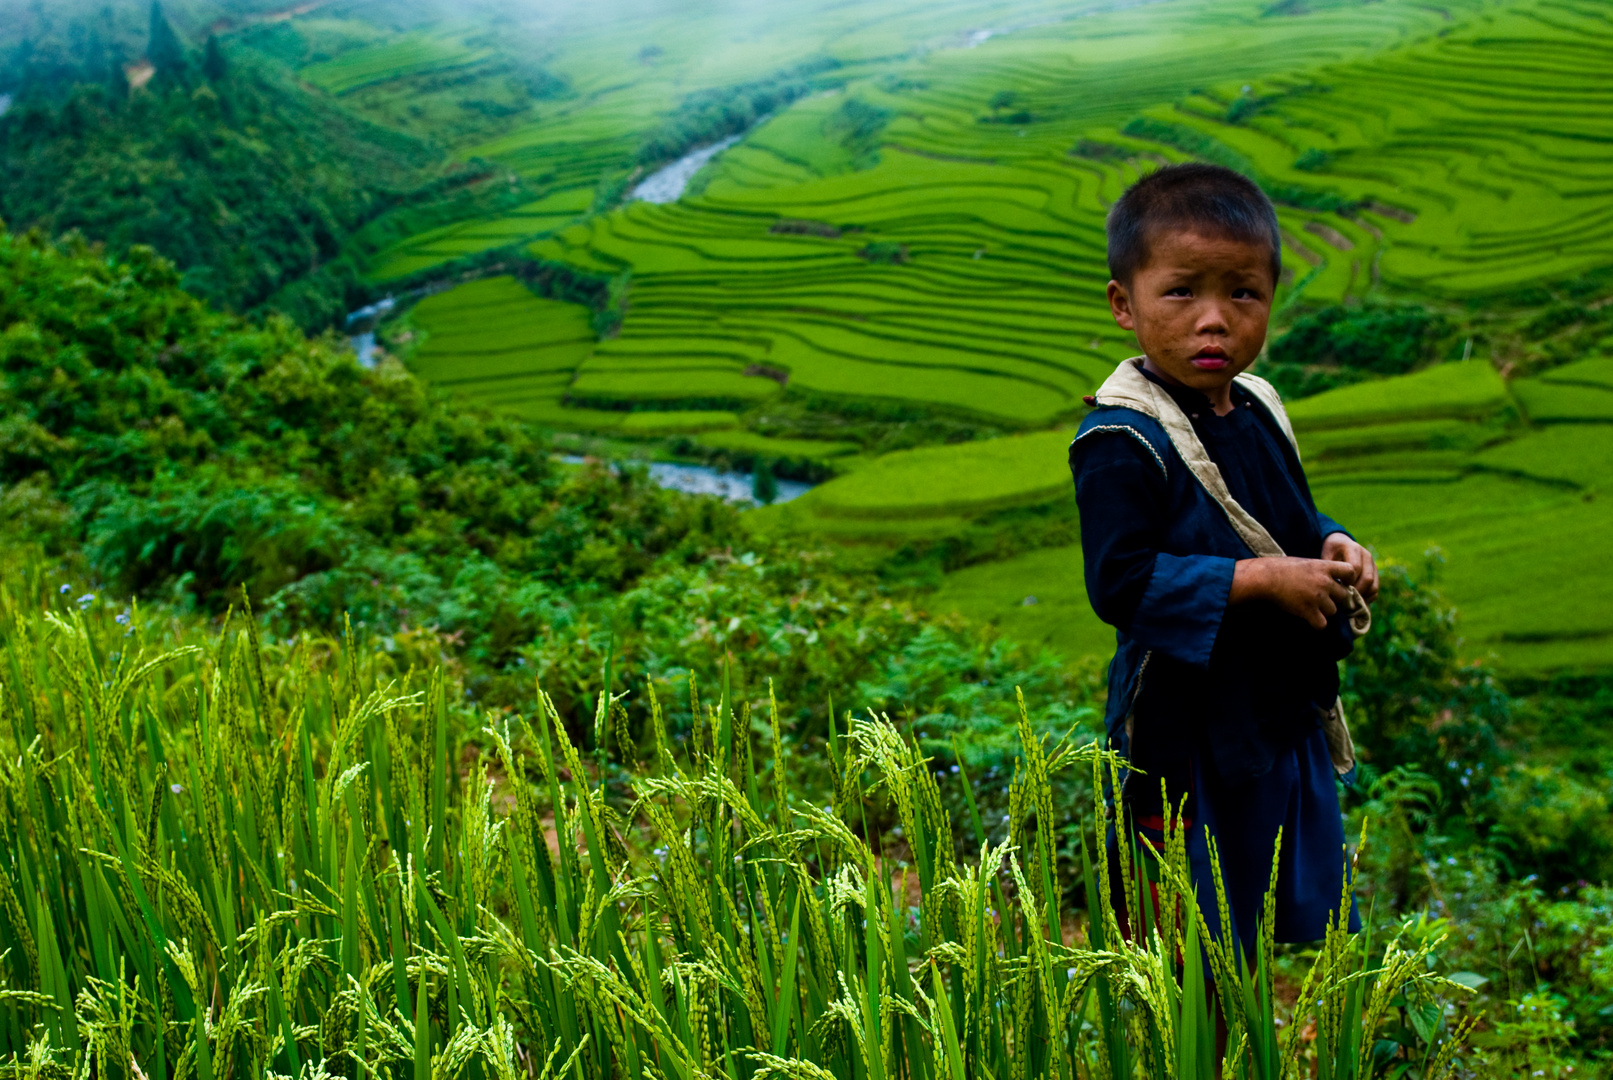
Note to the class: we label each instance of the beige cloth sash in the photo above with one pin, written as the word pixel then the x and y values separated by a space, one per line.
pixel 1129 388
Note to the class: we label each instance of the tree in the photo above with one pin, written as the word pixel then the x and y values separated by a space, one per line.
pixel 214 66
pixel 164 49
pixel 764 489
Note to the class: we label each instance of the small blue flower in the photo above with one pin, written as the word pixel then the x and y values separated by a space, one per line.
pixel 86 600
pixel 66 589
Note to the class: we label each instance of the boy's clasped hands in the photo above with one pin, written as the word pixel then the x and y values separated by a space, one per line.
pixel 1312 589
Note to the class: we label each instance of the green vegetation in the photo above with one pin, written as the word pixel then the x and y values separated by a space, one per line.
pixel 1038 598
pixel 1339 345
pixel 412 54
pixel 1471 389
pixel 892 283
pixel 950 480
pixel 494 343
pixel 1596 371
pixel 676 423
pixel 247 183
pixel 302 846
pixel 1575 454
pixel 187 453
pixel 1555 401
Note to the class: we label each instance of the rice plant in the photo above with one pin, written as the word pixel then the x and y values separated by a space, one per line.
pixel 225 857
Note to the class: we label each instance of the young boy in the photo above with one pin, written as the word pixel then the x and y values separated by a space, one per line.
pixel 1232 596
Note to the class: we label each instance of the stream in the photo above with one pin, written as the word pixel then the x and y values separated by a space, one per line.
pixel 666 184
pixel 363 321
pixel 735 487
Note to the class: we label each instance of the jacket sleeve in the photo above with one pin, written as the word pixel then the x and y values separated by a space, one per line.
pixel 1326 526
pixel 1172 603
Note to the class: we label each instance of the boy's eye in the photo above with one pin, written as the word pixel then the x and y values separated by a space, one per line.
pixel 1245 294
pixel 1180 290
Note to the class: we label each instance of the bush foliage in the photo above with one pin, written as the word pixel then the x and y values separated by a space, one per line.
pixel 1342 344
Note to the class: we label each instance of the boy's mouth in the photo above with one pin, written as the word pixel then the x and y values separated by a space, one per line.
pixel 1211 358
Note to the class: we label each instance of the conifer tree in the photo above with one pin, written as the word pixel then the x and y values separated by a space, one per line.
pixel 164 49
pixel 214 66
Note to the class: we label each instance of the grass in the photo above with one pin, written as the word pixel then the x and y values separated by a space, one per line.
pixel 494 343
pixel 411 54
pixel 673 423
pixel 425 250
pixel 231 857
pixel 1596 371
pixel 687 385
pixel 1471 389
pixel 1440 435
pixel 939 481
pixel 1576 454
pixel 1546 402
pixel 748 442
pixel 1002 593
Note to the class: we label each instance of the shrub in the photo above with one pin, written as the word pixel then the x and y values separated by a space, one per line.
pixel 1379 340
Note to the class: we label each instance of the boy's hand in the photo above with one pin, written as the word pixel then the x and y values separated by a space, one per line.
pixel 1338 547
pixel 1313 589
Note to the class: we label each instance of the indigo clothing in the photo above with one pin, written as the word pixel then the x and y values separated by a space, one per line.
pixel 1222 703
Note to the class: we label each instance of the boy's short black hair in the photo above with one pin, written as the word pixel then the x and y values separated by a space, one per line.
pixel 1189 197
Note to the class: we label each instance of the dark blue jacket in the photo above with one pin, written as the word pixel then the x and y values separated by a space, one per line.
pixel 1238 685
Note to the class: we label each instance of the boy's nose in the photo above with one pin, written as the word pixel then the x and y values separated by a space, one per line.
pixel 1212 319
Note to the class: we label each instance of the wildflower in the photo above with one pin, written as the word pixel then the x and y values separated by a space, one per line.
pixel 66 589
pixel 86 600
pixel 176 788
pixel 123 618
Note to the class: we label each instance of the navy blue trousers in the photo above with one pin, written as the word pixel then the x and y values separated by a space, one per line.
pixel 1299 796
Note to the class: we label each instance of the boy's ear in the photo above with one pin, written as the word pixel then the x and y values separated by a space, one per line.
pixel 1120 306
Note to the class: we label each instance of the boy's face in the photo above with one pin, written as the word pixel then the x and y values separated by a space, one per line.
pixel 1199 307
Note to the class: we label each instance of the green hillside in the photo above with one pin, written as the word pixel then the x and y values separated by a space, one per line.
pixel 905 249
pixel 391 718
pixel 918 241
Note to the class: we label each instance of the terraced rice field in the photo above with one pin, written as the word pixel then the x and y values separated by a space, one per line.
pixel 924 233
pixel 416 53
pixel 437 246
pixel 997 311
pixel 493 343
